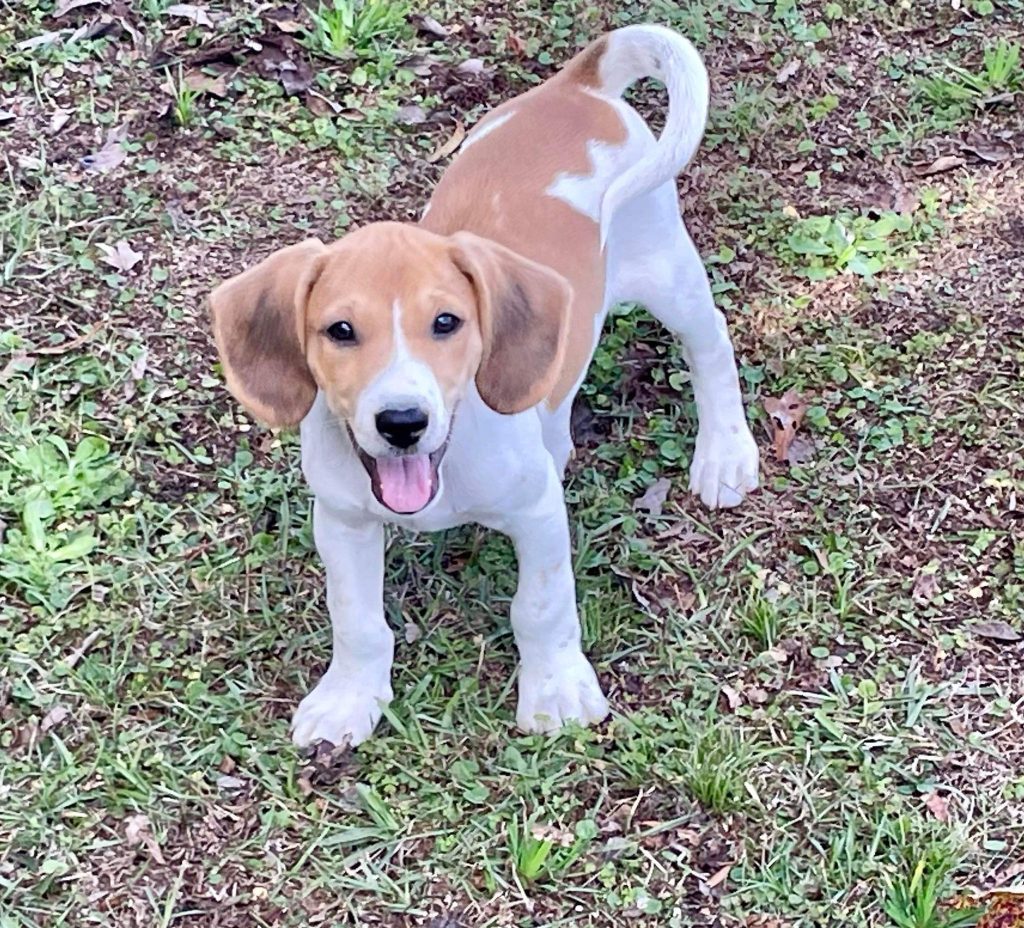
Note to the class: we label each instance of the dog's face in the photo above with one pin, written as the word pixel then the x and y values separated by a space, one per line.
pixel 392 323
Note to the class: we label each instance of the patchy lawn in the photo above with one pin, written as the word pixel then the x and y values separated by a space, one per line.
pixel 818 697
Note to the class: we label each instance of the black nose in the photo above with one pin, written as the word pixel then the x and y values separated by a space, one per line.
pixel 402 427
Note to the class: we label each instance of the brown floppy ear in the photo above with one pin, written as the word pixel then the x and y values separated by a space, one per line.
pixel 258 324
pixel 524 313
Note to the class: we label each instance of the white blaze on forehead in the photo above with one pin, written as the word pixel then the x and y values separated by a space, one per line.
pixel 406 382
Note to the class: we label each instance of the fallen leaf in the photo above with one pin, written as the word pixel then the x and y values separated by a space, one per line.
pixel 420 65
pixel 553 834
pixel 204 83
pixel 944 163
pixel 137 831
pixel 197 14
pixel 44 38
pixel 411 115
pixel 996 630
pixel 106 159
pixel 430 26
pixel 413 633
pixel 138 368
pixel 788 71
pixel 53 718
pixel 926 587
pixel 445 149
pixel 800 451
pixel 66 6
pixel 937 805
pixel 18 363
pixel 732 697
pixel 786 413
pixel 905 200
pixel 1004 97
pixel 320 105
pixel 229 782
pixel 471 67
pixel 719 876
pixel 121 255
pixel 516 45
pixel 988 149
pixel 58 120
pixel 653 499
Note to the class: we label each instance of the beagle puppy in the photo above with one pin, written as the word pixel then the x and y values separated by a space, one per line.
pixel 432 366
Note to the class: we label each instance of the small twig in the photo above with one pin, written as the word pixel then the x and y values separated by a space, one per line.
pixel 74 343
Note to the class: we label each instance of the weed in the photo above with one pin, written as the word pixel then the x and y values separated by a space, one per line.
pixel 715 767
pixel 761 620
pixel 183 98
pixel 1001 72
pixel 346 27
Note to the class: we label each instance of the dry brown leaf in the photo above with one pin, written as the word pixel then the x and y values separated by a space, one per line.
pixel 732 697
pixel 58 120
pixel 945 163
pixel 413 633
pixel 411 114
pixel 516 45
pixel 66 6
pixel 53 718
pixel 137 830
pixel 120 255
pixel 988 149
pixel 204 83
pixel 472 67
pixel 430 26
pixel 788 71
pixel 926 587
pixel 106 159
pixel 653 499
pixel 937 805
pixel 786 413
pixel 197 14
pixel 719 876
pixel 554 834
pixel 996 630
pixel 454 141
pixel 288 26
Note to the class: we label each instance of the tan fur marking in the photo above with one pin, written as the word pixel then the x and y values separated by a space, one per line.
pixel 549 134
pixel 364 275
pixel 585 68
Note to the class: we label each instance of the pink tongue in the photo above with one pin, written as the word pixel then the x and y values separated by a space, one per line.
pixel 405 482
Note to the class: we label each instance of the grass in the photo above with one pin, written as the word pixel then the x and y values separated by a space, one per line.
pixel 793 681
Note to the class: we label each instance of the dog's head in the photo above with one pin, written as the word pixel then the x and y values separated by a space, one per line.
pixel 392 323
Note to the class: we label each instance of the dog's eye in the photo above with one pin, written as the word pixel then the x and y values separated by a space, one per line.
pixel 341 332
pixel 445 324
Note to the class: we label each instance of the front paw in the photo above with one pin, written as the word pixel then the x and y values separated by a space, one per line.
pixel 340 711
pixel 552 695
pixel 725 467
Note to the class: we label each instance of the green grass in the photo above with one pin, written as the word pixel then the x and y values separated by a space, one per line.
pixel 790 681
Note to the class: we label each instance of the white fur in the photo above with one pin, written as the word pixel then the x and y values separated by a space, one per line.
pixel 504 471
pixel 405 382
pixel 485 130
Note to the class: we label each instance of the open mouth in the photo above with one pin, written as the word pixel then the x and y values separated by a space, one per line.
pixel 403 483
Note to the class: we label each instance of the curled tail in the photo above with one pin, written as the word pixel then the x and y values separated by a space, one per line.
pixel 627 55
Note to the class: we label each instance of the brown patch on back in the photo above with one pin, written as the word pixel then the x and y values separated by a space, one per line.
pixel 497 190
pixel 585 68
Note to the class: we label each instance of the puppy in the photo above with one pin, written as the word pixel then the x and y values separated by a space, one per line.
pixel 432 366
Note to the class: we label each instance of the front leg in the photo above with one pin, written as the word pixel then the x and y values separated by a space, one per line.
pixel 556 682
pixel 346 704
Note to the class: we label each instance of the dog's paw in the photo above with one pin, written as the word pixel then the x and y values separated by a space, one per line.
pixel 552 695
pixel 725 467
pixel 339 711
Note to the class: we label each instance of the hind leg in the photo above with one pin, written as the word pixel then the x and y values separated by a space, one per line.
pixel 652 260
